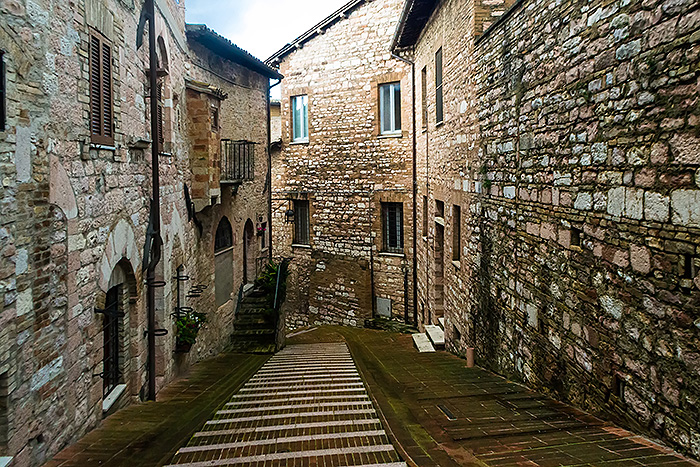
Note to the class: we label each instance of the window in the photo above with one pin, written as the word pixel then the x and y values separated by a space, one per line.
pixel 392 221
pixel 223 262
pixel 456 232
pixel 3 92
pixel 439 208
pixel 214 119
pixel 438 86
pixel 101 90
pixel 424 89
pixel 301 222
pixel 263 235
pixel 425 216
pixel 300 118
pixel 4 411
pixel 390 108
pixel 111 375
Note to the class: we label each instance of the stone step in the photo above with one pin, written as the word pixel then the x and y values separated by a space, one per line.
pixel 436 335
pixel 441 322
pixel 422 343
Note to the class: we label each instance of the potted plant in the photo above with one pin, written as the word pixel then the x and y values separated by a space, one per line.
pixel 188 326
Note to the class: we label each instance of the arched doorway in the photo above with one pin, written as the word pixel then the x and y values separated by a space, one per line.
pixel 249 244
pixel 223 262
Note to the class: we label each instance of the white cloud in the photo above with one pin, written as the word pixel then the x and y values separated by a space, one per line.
pixel 262 27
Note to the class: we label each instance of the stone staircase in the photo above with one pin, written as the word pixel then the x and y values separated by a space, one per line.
pixel 255 326
pixel 433 337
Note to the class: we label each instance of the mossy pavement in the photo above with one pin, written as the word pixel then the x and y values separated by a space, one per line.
pixel 496 422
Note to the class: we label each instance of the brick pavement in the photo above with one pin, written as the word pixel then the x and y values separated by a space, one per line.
pixel 496 422
pixel 306 406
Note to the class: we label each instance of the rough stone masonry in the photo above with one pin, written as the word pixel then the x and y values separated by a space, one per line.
pixel 569 158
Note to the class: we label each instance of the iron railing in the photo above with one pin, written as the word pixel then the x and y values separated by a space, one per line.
pixel 237 161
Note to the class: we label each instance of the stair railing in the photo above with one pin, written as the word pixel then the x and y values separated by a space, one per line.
pixel 238 302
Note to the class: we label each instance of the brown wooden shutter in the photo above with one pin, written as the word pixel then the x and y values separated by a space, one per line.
pixel 101 128
pixel 107 91
pixel 161 138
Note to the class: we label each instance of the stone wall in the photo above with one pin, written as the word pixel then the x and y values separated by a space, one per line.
pixel 345 171
pixel 571 142
pixel 75 214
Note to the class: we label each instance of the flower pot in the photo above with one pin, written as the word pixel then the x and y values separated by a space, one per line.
pixel 183 347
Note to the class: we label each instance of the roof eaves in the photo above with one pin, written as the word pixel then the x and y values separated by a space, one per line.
pixel 414 17
pixel 329 21
pixel 227 49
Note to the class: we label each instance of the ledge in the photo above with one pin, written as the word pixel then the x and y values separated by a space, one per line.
pixel 298 143
pixel 394 255
pixel 390 135
pixel 440 220
pixel 301 245
pixel 113 397
pixel 103 147
pixel 457 264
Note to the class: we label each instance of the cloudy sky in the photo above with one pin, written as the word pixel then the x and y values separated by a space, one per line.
pixel 261 27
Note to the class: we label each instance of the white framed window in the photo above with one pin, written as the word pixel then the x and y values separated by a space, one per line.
pixel 300 118
pixel 390 108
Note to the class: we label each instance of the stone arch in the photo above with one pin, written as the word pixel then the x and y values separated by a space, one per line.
pixel 121 245
pixel 118 351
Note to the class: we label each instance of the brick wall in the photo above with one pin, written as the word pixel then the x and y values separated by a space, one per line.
pixel 571 142
pixel 345 171
pixel 74 215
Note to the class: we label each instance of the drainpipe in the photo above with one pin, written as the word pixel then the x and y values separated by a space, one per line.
pixel 155 206
pixel 414 213
pixel 269 166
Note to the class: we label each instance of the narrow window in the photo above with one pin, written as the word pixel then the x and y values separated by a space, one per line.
pixel 101 90
pixel 439 208
pixel 576 237
pixel 390 108
pixel 4 412
pixel 214 119
pixel 688 266
pixel 392 221
pixel 618 388
pixel 263 235
pixel 111 374
pixel 424 89
pixel 438 86
pixel 301 222
pixel 425 216
pixel 456 232
pixel 300 118
pixel 3 93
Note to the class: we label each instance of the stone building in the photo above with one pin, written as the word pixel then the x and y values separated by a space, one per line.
pixel 558 160
pixel 343 178
pixel 76 182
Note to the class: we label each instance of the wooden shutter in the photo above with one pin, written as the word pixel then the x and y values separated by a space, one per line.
pixel 101 128
pixel 161 137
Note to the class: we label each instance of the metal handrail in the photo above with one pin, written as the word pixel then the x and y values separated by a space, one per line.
pixel 237 161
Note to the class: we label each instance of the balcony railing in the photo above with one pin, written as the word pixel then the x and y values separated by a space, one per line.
pixel 237 161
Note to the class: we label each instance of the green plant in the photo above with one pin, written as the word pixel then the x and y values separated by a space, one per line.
pixel 267 282
pixel 188 326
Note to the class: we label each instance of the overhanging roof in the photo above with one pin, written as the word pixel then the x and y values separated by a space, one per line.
pixel 330 20
pixel 414 17
pixel 225 48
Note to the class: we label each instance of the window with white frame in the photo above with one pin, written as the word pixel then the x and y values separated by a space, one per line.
pixel 390 108
pixel 300 118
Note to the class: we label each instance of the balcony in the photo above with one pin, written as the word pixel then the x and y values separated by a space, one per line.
pixel 237 161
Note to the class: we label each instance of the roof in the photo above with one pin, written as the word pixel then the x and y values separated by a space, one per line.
pixel 228 50
pixel 318 29
pixel 414 17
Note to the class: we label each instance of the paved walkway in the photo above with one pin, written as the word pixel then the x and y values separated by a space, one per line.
pixel 445 414
pixel 306 406
pixel 148 434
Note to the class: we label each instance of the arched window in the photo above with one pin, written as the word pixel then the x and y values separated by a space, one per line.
pixel 224 236
pixel 223 261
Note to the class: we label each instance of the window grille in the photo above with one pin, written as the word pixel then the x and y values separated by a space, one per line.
pixel 392 220
pixel 237 161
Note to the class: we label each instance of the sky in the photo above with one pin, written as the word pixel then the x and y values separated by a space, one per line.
pixel 261 27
